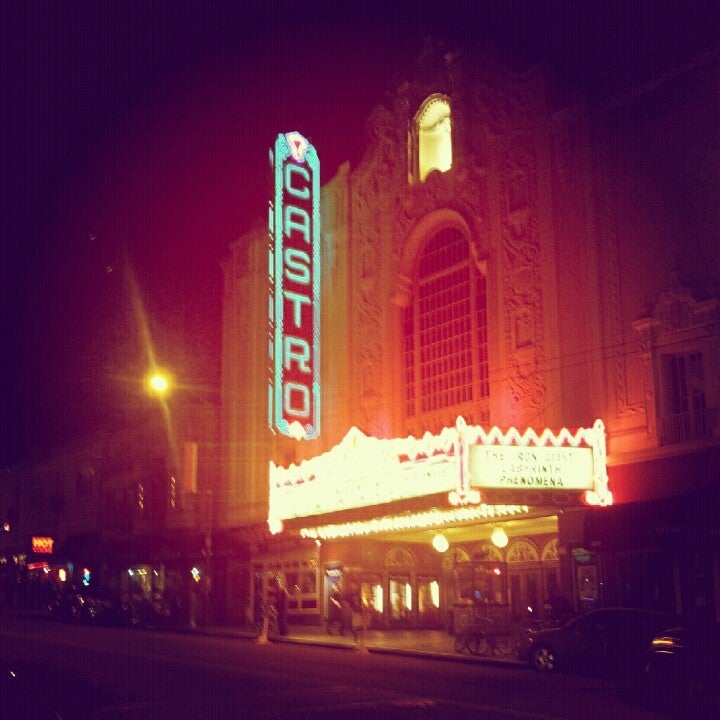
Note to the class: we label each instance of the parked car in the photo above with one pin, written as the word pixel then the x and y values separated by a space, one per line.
pixel 92 606
pixel 66 604
pixel 683 671
pixel 106 608
pixel 609 642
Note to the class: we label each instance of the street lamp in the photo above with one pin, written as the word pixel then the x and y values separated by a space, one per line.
pixel 158 383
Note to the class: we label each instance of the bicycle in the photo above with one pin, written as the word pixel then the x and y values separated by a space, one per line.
pixel 470 635
pixel 498 638
pixel 486 636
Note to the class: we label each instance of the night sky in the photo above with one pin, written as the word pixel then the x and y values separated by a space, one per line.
pixel 135 141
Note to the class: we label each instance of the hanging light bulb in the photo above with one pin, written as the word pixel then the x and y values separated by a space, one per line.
pixel 440 543
pixel 499 537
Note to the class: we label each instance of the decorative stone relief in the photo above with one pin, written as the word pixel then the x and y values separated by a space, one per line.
pixel 522 551
pixel 504 103
pixel 524 330
pixel 454 555
pixel 398 556
pixel 524 336
pixel 487 551
pixel 550 551
pixel 605 224
pixel 385 208
pixel 649 389
pixel 374 186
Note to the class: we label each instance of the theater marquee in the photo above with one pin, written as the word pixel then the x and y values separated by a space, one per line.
pixel 294 272
pixel 466 465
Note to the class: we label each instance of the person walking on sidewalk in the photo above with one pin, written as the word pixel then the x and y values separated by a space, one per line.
pixel 336 609
pixel 359 617
pixel 281 605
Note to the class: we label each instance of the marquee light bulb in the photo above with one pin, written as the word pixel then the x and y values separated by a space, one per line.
pixel 499 537
pixel 440 543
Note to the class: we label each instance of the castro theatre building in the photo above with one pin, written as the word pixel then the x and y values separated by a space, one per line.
pixel 433 367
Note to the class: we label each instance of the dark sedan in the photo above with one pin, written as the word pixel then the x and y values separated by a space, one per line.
pixel 610 642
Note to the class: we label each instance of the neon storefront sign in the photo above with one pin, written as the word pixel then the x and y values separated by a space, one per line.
pixel 294 307
pixel 463 462
pixel 42 545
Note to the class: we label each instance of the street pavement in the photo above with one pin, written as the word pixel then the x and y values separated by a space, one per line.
pixel 421 643
pixel 437 644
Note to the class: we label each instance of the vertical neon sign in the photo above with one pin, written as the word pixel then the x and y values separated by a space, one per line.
pixel 294 307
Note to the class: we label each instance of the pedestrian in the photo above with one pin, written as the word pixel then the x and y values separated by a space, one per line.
pixel 354 601
pixel 281 605
pixel 336 609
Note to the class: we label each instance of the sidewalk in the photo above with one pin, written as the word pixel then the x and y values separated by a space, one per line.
pixel 436 644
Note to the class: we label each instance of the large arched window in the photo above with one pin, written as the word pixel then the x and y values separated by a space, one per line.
pixel 445 336
pixel 431 138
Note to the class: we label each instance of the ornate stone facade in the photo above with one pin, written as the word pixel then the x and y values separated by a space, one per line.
pixel 543 196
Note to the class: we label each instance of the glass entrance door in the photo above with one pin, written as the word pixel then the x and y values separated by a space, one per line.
pixel 428 602
pixel 400 599
pixel 525 600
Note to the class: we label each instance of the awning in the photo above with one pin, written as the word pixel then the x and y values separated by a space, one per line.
pixel 155 547
pixel 677 521
pixel 664 476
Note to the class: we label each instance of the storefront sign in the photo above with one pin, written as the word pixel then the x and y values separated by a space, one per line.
pixel 42 545
pixel 294 308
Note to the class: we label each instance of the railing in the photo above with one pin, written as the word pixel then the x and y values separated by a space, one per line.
pixel 687 426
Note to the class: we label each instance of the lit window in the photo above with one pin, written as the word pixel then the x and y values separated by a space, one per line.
pixel 430 142
pixel 445 335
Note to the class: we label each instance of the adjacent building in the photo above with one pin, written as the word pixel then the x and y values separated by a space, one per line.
pixel 128 511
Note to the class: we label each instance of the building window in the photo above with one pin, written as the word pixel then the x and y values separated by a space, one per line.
pixel 679 353
pixel 684 413
pixel 445 334
pixel 430 140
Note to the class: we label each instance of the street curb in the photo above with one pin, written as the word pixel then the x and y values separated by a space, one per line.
pixel 373 649
pixel 239 634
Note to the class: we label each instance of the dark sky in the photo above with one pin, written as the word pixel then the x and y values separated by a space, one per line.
pixel 135 139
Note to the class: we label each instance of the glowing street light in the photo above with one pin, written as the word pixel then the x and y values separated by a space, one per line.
pixel 158 383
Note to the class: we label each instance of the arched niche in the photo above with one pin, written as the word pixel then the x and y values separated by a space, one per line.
pixel 522 551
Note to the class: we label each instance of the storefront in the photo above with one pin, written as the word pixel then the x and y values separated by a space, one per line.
pixel 417 527
pixel 168 574
pixel 659 555
pixel 30 575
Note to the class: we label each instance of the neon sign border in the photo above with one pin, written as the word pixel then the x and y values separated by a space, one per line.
pixel 282 152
